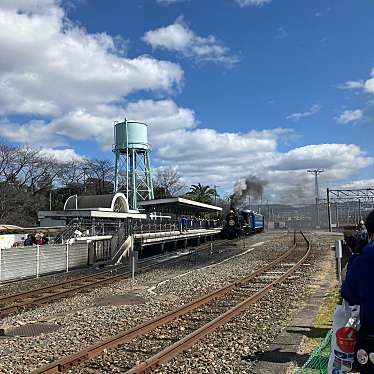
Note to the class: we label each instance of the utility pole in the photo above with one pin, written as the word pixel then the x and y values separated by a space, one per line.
pixel 215 193
pixel 316 172
pixel 84 179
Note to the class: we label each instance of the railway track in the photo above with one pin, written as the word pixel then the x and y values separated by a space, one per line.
pixel 198 318
pixel 10 304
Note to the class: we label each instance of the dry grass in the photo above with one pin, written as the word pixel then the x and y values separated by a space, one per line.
pixel 323 321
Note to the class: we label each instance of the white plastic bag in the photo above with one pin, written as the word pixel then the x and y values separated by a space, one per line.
pixel 344 328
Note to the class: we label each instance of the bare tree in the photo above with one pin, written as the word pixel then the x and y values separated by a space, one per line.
pixel 73 173
pixel 167 182
pixel 31 181
pixel 101 176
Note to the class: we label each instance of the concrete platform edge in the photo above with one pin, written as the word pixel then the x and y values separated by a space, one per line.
pixel 283 354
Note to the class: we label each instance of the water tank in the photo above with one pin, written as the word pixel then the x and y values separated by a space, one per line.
pixel 130 134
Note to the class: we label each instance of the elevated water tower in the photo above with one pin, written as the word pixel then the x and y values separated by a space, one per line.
pixel 132 165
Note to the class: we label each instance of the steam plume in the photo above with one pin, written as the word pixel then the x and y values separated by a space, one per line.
pixel 247 190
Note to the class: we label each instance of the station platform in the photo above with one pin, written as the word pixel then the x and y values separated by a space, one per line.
pixel 154 238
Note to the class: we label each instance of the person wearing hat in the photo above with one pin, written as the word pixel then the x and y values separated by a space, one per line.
pixel 358 289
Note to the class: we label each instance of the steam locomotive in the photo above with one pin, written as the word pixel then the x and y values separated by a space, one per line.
pixel 245 222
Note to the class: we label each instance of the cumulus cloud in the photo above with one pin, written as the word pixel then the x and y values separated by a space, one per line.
pixel 339 159
pixel 35 132
pixel 299 115
pixel 50 66
pixel 349 116
pixel 365 85
pixel 97 123
pixel 180 38
pixel 62 155
pixel 208 156
pixel 73 83
pixel 244 3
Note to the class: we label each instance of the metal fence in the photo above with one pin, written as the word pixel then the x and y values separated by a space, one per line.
pixel 28 262
pixel 101 250
pixel 152 226
pixel 92 227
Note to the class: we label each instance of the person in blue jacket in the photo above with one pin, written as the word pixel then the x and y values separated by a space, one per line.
pixel 358 289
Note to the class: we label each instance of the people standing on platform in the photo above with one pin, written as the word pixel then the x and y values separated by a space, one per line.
pixel 78 233
pixel 41 239
pixel 184 223
pixel 28 241
pixel 358 289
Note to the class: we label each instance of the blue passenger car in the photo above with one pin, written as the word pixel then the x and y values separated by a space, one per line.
pixel 251 222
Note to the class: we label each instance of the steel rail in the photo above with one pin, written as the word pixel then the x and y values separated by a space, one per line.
pixel 187 342
pixel 95 350
pixel 60 290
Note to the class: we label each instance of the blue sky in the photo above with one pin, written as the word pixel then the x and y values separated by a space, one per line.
pixel 230 88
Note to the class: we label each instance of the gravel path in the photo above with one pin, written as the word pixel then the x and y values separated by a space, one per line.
pixel 81 321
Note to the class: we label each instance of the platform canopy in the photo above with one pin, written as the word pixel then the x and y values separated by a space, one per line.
pixel 110 206
pixel 115 202
pixel 178 205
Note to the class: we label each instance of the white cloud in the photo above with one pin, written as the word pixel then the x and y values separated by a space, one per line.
pixel 180 38
pixel 34 6
pixel 36 133
pixel 363 183
pixel 50 66
pixel 208 156
pixel 352 85
pixel 339 159
pixel 164 116
pixel 365 85
pixel 281 33
pixel 349 116
pixel 244 3
pixel 169 2
pixel 62 155
pixel 297 116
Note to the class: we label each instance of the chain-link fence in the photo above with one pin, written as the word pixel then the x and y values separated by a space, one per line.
pixel 319 358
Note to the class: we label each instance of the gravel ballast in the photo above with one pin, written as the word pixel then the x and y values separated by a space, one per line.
pixel 82 321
